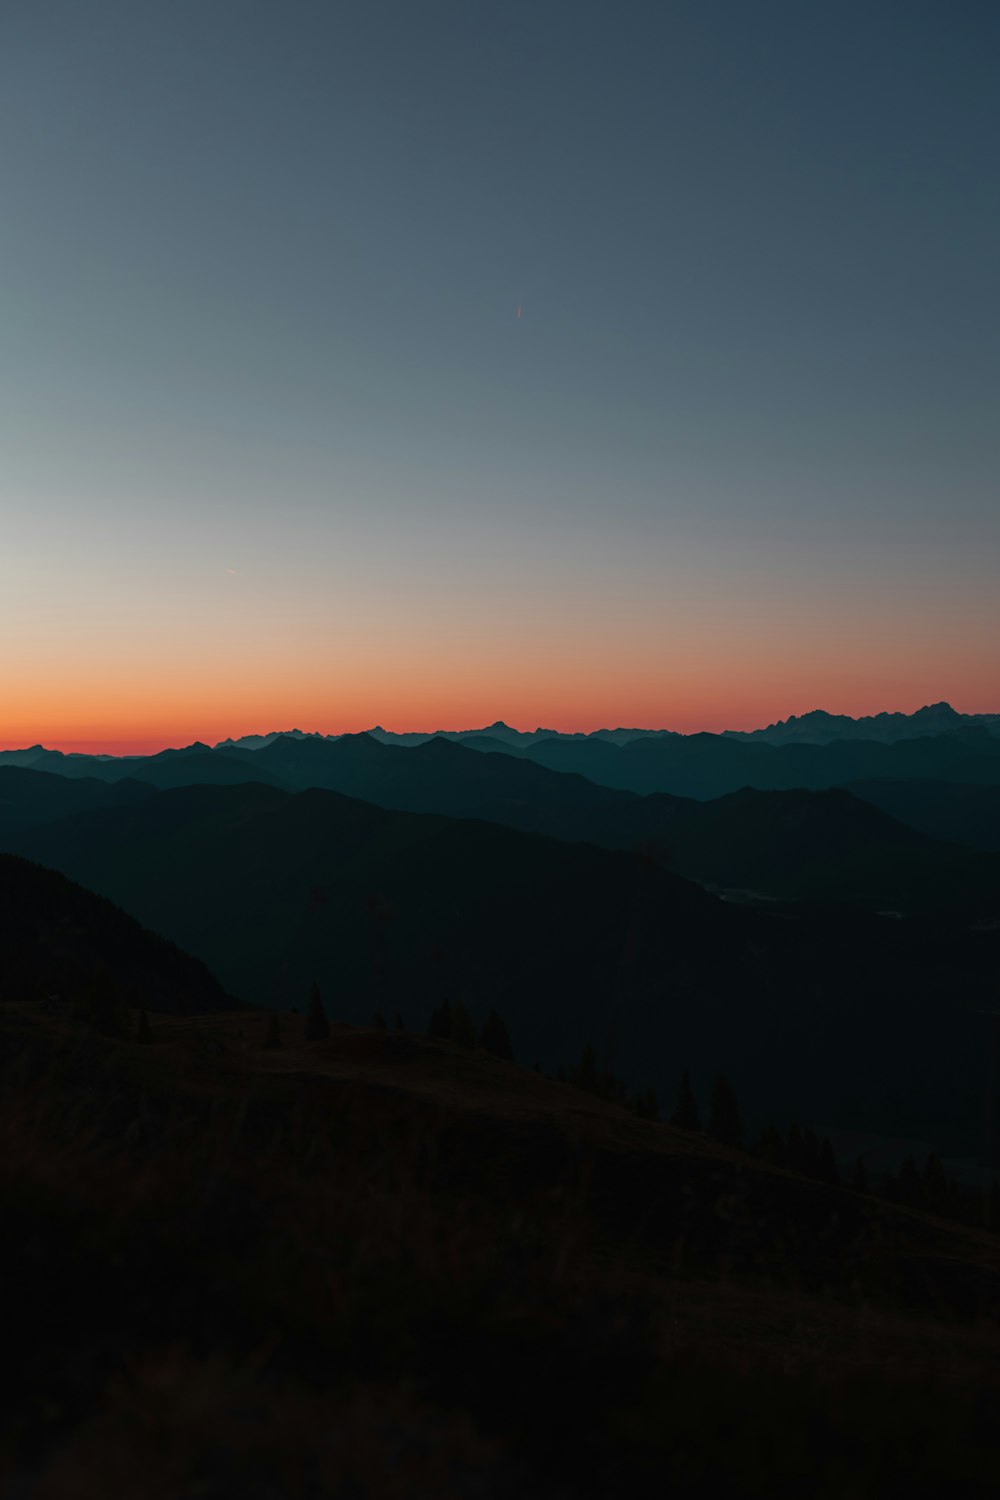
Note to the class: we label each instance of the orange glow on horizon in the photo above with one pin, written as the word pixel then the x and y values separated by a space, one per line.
pixel 117 734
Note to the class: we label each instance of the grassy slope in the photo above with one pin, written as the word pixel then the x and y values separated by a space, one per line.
pixel 389 1262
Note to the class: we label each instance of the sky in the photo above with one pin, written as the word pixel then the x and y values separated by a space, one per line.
pixel 426 364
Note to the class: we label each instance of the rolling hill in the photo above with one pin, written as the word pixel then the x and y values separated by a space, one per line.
pixel 382 1265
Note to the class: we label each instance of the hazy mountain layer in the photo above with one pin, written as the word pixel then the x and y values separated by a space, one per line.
pixel 796 845
pixel 966 814
pixel 820 728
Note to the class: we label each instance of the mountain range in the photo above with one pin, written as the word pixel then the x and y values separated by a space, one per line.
pixel 827 1013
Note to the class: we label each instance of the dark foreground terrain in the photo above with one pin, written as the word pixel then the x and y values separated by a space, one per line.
pixel 380 1265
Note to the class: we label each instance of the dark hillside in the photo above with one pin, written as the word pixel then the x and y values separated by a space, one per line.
pixel 382 1266
pixel 440 776
pixel 57 939
pixel 956 812
pixel 828 846
pixel 29 798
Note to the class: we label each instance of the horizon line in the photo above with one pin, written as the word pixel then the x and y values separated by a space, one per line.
pixel 156 744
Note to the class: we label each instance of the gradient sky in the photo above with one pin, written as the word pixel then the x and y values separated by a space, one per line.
pixel 276 448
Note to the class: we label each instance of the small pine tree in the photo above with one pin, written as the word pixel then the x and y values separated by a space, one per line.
pixel 770 1147
pixel 725 1124
pixel 859 1180
pixel 810 1151
pixel 144 1035
pixel 463 1029
pixel 646 1106
pixel 379 1022
pixel 911 1189
pixel 317 1025
pixel 991 1206
pixel 826 1164
pixel 495 1037
pixel 272 1033
pixel 398 1023
pixel 935 1182
pixel 441 1022
pixel 104 1007
pixel 584 1075
pixel 686 1116
pixel 796 1151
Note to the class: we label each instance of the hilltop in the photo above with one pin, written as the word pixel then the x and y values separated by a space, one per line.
pixel 379 1259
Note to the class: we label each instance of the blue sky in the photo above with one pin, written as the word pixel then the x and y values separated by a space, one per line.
pixel 260 267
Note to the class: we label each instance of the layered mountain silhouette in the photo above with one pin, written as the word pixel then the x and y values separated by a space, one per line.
pixel 193 765
pixel 706 765
pixel 819 727
pixel 837 1016
pixel 828 846
pixel 29 797
pixel 443 776
pixel 816 727
pixel 801 845
pixel 953 811
pixel 934 744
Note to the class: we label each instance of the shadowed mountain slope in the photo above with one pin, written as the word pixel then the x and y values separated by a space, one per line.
pixel 835 1016
pixel 440 776
pixel 195 765
pixel 707 765
pixel 828 846
pixel 59 939
pixel 29 797
pixel 953 811
pixel 801 845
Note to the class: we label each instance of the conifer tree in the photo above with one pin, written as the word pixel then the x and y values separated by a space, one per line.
pixel 584 1075
pixel 272 1034
pixel 991 1206
pixel 685 1115
pixel 770 1147
pixel 646 1106
pixel 911 1189
pixel 859 1181
pixel 826 1164
pixel 104 1007
pixel 441 1022
pixel 463 1030
pixel 796 1151
pixel 495 1037
pixel 810 1151
pixel 379 1022
pixel 935 1182
pixel 725 1124
pixel 398 1023
pixel 317 1025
